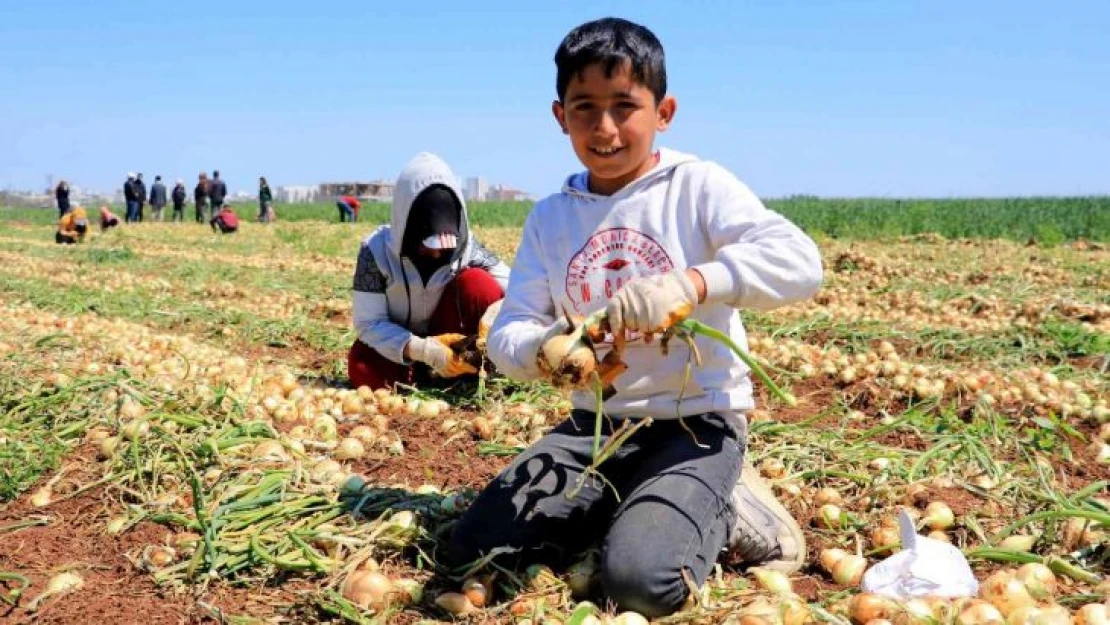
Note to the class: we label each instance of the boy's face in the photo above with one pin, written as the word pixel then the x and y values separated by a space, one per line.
pixel 612 123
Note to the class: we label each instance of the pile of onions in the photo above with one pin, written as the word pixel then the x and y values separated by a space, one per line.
pixel 845 568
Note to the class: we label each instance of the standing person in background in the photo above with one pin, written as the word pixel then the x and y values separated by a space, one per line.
pixel 200 196
pixel 178 196
pixel 217 191
pixel 61 193
pixel 157 198
pixel 265 201
pixel 140 194
pixel 130 199
pixel 108 219
pixel 348 208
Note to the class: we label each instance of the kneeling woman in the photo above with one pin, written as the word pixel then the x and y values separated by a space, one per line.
pixel 72 227
pixel 421 277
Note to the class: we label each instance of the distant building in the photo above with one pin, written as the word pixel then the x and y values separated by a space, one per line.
pixel 503 193
pixel 297 193
pixel 377 191
pixel 476 189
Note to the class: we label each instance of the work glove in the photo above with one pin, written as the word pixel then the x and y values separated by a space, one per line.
pixel 435 351
pixel 651 304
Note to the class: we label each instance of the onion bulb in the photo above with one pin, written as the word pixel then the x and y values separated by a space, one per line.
pixel 1038 579
pixel 476 592
pixel 59 584
pixel 454 603
pixel 866 607
pixel 1029 615
pixel 409 591
pixel 1093 614
pixel 849 570
pixel 569 358
pixel 885 539
pixel 269 451
pixel 1054 615
pixel 774 582
pixel 828 495
pixel 349 449
pixel 829 557
pixel 367 589
pixel 1006 592
pixel 1018 542
pixel 829 516
pixel 939 516
pixel 979 613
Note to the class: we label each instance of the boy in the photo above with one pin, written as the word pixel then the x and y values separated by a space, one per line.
pixel 650 237
pixel 419 280
pixel 225 220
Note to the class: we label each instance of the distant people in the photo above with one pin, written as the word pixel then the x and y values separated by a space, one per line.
pixel 72 227
pixel 217 192
pixel 130 199
pixel 157 199
pixel 61 193
pixel 265 201
pixel 140 194
pixel 108 219
pixel 348 208
pixel 226 221
pixel 178 196
pixel 200 196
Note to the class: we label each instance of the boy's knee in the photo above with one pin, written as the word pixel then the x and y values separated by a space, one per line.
pixel 642 585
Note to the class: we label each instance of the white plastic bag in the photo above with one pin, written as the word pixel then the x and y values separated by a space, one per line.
pixel 924 567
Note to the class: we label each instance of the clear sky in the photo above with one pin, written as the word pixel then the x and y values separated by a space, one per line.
pixel 846 98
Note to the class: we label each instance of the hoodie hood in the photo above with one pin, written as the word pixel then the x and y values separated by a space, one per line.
pixel 579 184
pixel 424 170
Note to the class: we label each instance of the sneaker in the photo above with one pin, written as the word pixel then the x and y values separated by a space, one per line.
pixel 764 532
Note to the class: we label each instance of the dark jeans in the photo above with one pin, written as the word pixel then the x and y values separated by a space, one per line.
pixel 178 212
pixel 61 238
pixel 346 213
pixel 674 511
pixel 132 212
pixel 202 210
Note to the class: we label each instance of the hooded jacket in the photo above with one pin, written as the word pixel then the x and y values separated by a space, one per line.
pixel 391 301
pixel 579 248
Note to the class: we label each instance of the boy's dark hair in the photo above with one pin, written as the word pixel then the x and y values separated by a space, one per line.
pixel 613 43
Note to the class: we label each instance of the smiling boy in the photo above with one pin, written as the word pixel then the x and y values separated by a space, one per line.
pixel 650 236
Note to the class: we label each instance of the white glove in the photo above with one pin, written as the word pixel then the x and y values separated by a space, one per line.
pixel 432 352
pixel 652 304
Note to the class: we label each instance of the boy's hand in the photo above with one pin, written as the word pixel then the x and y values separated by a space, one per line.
pixel 435 352
pixel 652 304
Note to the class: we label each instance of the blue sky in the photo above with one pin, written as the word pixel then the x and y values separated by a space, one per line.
pixel 836 98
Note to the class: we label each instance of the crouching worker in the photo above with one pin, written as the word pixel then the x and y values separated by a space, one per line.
pixel 649 237
pixel 72 227
pixel 225 220
pixel 420 283
pixel 108 219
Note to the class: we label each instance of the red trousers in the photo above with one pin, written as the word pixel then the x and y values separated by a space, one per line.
pixel 461 306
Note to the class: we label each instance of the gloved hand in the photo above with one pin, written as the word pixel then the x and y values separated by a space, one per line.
pixel 435 352
pixel 652 304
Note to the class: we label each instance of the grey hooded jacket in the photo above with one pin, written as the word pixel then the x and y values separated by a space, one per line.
pixel 391 302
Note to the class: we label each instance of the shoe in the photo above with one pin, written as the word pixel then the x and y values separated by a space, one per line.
pixel 764 533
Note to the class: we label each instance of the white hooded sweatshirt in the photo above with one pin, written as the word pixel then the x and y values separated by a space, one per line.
pixel 391 302
pixel 578 248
